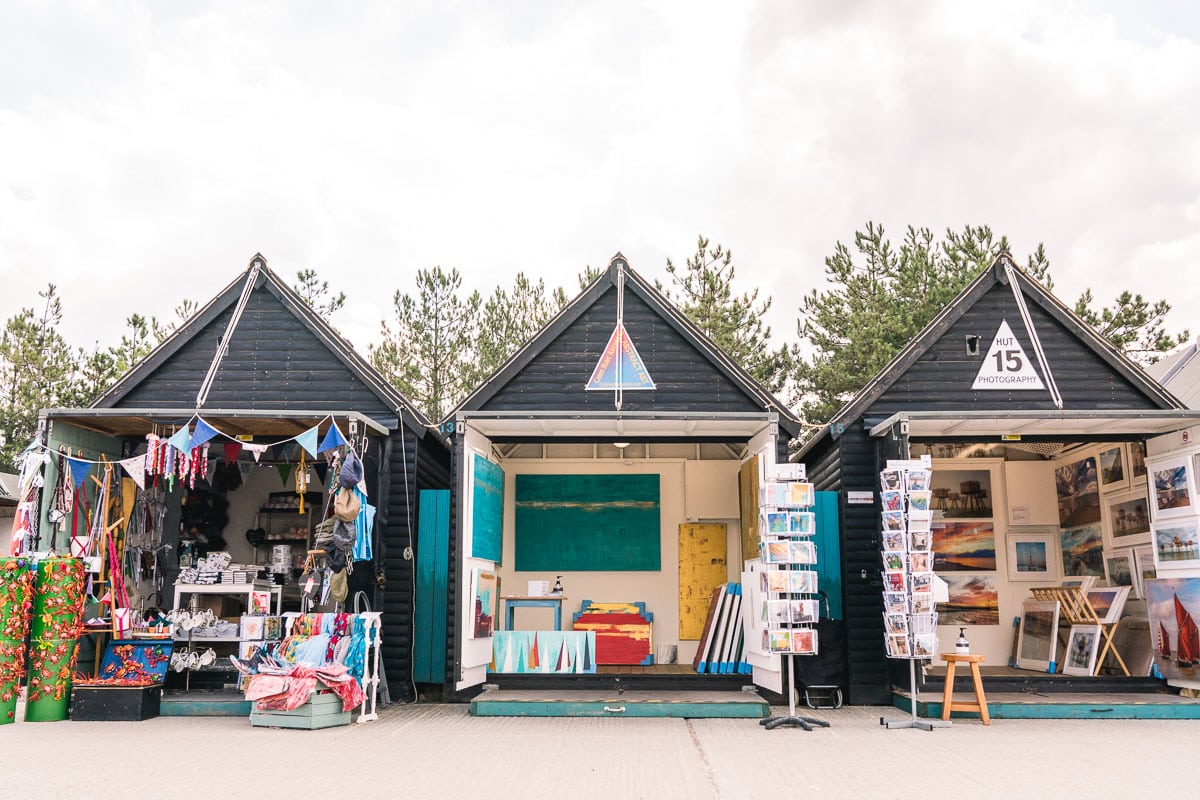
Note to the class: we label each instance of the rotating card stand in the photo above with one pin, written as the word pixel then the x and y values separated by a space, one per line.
pixel 786 525
pixel 909 618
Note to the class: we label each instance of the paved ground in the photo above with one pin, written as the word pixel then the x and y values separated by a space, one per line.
pixel 435 751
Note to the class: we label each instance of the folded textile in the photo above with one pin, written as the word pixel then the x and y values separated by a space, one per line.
pixel 289 692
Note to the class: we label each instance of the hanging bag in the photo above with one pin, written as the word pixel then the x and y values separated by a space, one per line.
pixel 346 505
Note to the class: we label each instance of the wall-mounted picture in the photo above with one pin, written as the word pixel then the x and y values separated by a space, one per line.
pixel 1128 515
pixel 1172 488
pixel 1108 602
pixel 964 547
pixel 1113 474
pixel 1177 543
pixel 1078 491
pixel 1082 645
pixel 1031 557
pixel 1118 566
pixel 1037 638
pixel 961 493
pixel 1143 561
pixel 1137 459
pixel 974 600
pixel 1082 550
pixel 485 603
pixel 1173 605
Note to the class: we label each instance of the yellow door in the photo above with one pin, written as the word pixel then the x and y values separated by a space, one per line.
pixel 701 569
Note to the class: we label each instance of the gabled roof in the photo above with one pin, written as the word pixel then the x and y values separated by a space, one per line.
pixel 1179 373
pixel 646 292
pixel 1032 290
pixel 302 311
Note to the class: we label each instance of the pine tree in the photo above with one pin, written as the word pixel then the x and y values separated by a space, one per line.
pixel 703 290
pixel 508 319
pixel 316 293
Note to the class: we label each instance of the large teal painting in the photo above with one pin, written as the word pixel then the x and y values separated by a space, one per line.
pixel 487 510
pixel 588 523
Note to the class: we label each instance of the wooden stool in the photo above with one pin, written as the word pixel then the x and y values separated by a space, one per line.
pixel 952 660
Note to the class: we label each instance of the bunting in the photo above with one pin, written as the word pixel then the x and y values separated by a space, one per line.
pixel 285 472
pixel 181 439
pixel 203 433
pixel 136 468
pixel 333 438
pixel 256 450
pixel 308 440
pixel 79 470
pixel 231 450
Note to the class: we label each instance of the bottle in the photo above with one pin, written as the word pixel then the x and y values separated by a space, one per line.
pixel 557 585
pixel 962 647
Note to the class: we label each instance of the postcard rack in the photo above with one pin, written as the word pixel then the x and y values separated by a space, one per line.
pixel 1075 609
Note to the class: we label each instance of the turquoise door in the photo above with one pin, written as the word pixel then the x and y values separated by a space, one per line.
pixel 433 570
pixel 829 552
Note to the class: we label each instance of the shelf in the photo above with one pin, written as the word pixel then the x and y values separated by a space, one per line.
pixel 198 639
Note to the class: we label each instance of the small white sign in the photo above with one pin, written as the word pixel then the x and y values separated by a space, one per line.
pixel 1020 515
pixel 1006 367
pixel 860 498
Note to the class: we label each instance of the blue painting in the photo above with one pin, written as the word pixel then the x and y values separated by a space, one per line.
pixel 487 510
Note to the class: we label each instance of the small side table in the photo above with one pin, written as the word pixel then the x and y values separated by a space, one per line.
pixel 554 601
pixel 973 660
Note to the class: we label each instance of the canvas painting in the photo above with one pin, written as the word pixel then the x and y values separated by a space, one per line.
pixel 1078 489
pixel 1174 489
pixel 1038 636
pixel 1082 645
pixel 1173 605
pixel 974 600
pixel 485 603
pixel 1112 468
pixel 1129 515
pixel 961 493
pixel 1031 557
pixel 1118 566
pixel 1177 543
pixel 964 547
pixel 1082 550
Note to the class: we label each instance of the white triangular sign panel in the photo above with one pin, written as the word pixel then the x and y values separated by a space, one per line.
pixel 1006 367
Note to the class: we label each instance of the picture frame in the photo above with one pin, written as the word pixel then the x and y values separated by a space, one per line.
pixel 1119 570
pixel 1079 581
pixel 1127 517
pixel 1077 485
pixel 961 493
pixel 1113 468
pixel 1137 459
pixel 1083 643
pixel 1147 569
pixel 1172 488
pixel 1108 602
pixel 1037 637
pixel 1082 550
pixel 1176 543
pixel 1031 557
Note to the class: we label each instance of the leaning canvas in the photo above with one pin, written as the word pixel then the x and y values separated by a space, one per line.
pixel 1082 646
pixel 1037 638
pixel 1173 605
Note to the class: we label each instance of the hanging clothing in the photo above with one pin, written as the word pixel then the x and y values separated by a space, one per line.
pixel 364 525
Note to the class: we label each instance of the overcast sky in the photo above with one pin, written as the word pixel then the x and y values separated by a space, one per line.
pixel 148 150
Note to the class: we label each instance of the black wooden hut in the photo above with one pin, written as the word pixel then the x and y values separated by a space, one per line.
pixel 704 419
pixel 283 370
pixel 1005 375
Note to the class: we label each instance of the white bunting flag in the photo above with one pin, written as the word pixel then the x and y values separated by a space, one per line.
pixel 136 468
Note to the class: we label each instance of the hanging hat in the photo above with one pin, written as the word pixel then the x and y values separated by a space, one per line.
pixel 352 471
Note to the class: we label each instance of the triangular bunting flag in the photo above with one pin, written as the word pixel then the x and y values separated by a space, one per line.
pixel 285 472
pixel 203 432
pixel 181 439
pixel 308 440
pixel 231 450
pixel 1006 367
pixel 620 366
pixel 333 438
pixel 322 470
pixel 244 468
pixel 136 469
pixel 79 470
pixel 256 450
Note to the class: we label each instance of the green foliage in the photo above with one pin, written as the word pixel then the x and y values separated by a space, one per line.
pixel 316 293
pixel 1133 325
pixel 508 319
pixel 703 290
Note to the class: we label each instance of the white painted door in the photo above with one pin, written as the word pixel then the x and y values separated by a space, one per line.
pixel 476 652
pixel 767 667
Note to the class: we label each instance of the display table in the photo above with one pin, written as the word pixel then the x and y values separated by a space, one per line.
pixel 554 601
pixel 972 659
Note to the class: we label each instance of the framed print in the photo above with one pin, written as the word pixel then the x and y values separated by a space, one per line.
pixel 1082 550
pixel 1128 516
pixel 958 493
pixel 1172 606
pixel 1113 472
pixel 1080 581
pixel 1137 459
pixel 1118 566
pixel 1037 638
pixel 964 547
pixel 1031 557
pixel 1143 562
pixel 1176 543
pixel 1172 489
pixel 974 600
pixel 1078 488
pixel 1082 646
pixel 1108 602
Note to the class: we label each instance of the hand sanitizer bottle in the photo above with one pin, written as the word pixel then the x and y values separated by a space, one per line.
pixel 557 585
pixel 962 647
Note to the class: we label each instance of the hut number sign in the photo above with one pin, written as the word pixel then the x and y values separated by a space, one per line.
pixel 1006 366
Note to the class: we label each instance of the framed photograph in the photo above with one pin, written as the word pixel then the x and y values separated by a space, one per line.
pixel 1137 459
pixel 1037 638
pixel 974 600
pixel 1080 581
pixel 1172 489
pixel 1082 550
pixel 1176 543
pixel 1108 601
pixel 961 493
pixel 1143 561
pixel 1113 472
pixel 1082 645
pixel 1128 516
pixel 1078 488
pixel 1118 566
pixel 1031 557
pixel 964 547
pixel 1172 606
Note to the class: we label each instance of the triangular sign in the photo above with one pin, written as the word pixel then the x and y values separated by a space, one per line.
pixel 620 356
pixel 1006 367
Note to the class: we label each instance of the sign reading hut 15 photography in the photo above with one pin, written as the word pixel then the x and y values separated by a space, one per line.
pixel 1006 366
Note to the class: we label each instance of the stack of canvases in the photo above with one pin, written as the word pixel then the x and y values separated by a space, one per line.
pixel 910 622
pixel 722 640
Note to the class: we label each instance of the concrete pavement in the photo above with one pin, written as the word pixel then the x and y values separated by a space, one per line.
pixel 436 751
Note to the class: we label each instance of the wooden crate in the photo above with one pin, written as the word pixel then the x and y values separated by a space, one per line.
pixel 323 710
